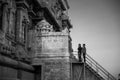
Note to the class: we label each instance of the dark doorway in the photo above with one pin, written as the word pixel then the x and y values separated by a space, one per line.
pixel 38 72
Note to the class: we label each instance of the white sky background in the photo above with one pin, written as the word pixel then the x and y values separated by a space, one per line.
pixel 97 24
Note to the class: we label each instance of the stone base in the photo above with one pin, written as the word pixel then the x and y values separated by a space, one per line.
pixel 52 52
pixel 54 68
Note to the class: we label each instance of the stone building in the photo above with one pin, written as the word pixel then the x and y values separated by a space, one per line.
pixel 35 42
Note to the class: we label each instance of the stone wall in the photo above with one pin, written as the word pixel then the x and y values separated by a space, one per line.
pixel 11 69
pixel 8 73
pixel 51 51
pixel 55 69
pixel 51 44
pixel 20 42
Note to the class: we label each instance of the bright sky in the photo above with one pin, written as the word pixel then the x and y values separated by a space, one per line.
pixel 97 24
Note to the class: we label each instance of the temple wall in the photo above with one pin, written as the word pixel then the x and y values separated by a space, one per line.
pixel 52 44
pixel 26 54
pixel 52 52
pixel 15 70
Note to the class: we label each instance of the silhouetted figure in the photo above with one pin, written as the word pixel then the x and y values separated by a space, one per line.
pixel 79 52
pixel 119 76
pixel 84 52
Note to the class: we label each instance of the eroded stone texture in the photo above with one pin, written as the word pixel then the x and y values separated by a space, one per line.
pixel 56 69
pixel 52 45
pixel 52 52
pixel 33 29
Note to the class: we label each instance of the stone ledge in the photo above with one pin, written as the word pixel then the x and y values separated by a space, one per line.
pixel 4 78
pixel 5 61
pixel 51 34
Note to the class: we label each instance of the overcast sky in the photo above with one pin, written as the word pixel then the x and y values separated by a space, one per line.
pixel 97 24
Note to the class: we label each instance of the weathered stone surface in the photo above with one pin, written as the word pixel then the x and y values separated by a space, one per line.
pixel 51 51
pixel 7 73
pixel 2 38
pixel 56 69
pixel 51 44
pixel 12 70
pixel 27 75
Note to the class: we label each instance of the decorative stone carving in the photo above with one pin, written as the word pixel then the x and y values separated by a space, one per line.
pixel 10 22
pixel 23 29
pixel 2 38
pixel 56 8
pixel 44 27
pixel 65 30
pixel 1 14
pixel 21 53
pixel 11 18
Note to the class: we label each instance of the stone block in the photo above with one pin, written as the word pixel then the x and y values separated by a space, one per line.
pixel 52 52
pixel 27 75
pixel 51 44
pixel 56 69
pixel 7 73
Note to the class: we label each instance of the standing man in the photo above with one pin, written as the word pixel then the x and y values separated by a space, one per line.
pixel 119 76
pixel 84 52
pixel 79 52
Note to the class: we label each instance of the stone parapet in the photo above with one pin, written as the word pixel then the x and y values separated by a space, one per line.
pixel 51 44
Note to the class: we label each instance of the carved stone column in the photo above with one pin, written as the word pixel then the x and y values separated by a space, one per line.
pixel 22 24
pixel 11 20
pixel 4 21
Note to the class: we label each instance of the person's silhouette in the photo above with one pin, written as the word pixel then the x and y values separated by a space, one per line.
pixel 79 52
pixel 119 76
pixel 84 52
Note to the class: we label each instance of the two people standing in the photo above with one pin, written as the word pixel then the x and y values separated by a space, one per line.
pixel 81 51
